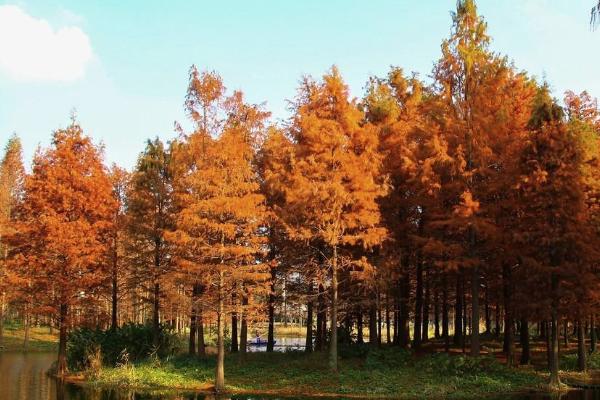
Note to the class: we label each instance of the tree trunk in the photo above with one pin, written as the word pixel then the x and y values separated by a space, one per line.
pixel 193 321
pixel 234 327
pixel 115 295
pixel 379 320
pixel 488 313
pixel 593 337
pixel 403 329
pixel 334 304
pixel 2 296
pixel 387 319
pixel 436 312
pixel 372 324
pixel 554 378
pixel 508 346
pixel 26 321
pixel 319 340
pixel 426 302
pixel 220 370
pixel 418 323
pixel 524 338
pixel 200 332
pixel 581 355
pixel 308 345
pixel 458 309
pixel 61 367
pixel 475 350
pixel 155 316
pixel 445 316
pixel 244 326
pixel 359 327
pixel 271 329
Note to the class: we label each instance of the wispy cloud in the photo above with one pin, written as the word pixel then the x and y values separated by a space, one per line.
pixel 32 50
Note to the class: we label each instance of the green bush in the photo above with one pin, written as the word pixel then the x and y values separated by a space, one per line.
pixel 129 343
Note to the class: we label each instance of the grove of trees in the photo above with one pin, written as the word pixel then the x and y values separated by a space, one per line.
pixel 447 209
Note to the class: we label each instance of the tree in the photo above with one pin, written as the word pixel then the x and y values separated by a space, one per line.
pixel 333 181
pixel 222 213
pixel 120 180
pixel 149 214
pixel 203 104
pixel 552 209
pixel 59 241
pixel 12 175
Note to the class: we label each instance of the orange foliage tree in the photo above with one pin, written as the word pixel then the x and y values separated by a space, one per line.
pixel 59 246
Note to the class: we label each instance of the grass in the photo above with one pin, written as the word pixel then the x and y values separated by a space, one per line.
pixel 40 339
pixel 388 372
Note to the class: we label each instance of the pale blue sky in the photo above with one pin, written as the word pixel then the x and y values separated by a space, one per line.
pixel 127 80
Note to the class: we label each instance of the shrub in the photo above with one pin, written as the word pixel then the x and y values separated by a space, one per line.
pixel 135 340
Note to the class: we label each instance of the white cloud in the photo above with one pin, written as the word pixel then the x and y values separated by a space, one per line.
pixel 32 50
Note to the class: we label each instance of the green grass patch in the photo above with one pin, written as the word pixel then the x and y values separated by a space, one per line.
pixel 40 339
pixel 387 372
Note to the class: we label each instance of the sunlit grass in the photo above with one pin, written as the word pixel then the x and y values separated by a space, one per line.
pixel 40 339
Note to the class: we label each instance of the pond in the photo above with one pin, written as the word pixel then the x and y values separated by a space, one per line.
pixel 23 377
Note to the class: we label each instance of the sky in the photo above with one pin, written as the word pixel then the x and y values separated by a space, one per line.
pixel 123 65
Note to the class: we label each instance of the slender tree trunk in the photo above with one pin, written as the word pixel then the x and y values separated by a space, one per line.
pixel 200 332
pixel 234 327
pixel 497 317
pixel 445 316
pixel 543 330
pixel 436 312
pixel 372 325
pixel 404 333
pixel 426 302
pixel 475 348
pixel 193 321
pixel 244 326
pixel 319 340
pixel 418 324
pixel 359 327
pixel 115 294
pixel 220 370
pixel 379 320
pixel 554 366
pixel 26 323
pixel 308 345
pixel 508 346
pixel 458 309
pixel 387 319
pixel 593 337
pixel 524 338
pixel 155 316
pixel 334 304
pixel 271 329
pixel 581 354
pixel 2 297
pixel 61 367
pixel 488 313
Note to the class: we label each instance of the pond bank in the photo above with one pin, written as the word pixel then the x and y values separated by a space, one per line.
pixel 390 373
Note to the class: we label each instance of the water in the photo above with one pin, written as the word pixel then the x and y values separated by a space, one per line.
pixel 23 377
pixel 282 344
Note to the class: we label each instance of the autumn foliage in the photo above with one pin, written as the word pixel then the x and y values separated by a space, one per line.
pixel 457 210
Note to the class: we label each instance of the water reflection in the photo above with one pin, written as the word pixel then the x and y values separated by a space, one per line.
pixel 23 377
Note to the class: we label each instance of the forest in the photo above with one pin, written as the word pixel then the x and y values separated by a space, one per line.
pixel 430 215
